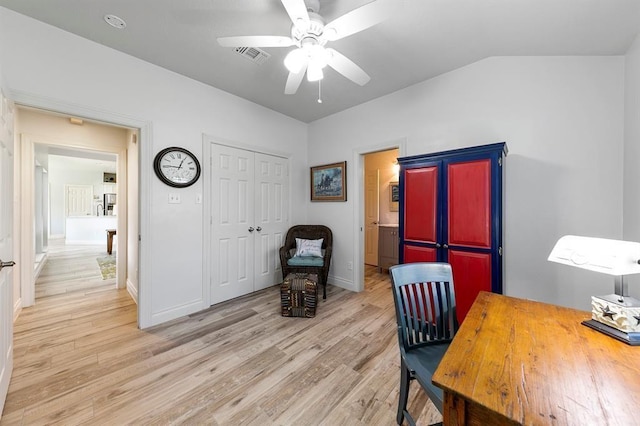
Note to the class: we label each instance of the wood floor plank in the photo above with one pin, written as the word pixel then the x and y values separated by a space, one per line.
pixel 79 357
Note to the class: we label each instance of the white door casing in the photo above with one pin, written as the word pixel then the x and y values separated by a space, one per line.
pixel 6 246
pixel 372 216
pixel 249 195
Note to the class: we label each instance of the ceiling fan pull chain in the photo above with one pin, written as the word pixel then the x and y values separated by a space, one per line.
pixel 320 91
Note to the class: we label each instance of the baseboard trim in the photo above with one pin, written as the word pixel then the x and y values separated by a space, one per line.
pixel 17 308
pixel 132 290
pixel 342 283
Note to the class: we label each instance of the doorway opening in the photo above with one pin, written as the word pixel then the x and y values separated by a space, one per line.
pixel 379 211
pixel 68 168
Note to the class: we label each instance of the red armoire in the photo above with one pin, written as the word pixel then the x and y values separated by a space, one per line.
pixel 451 211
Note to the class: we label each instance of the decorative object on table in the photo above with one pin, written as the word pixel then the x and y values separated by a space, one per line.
pixel 299 295
pixel 618 314
pixel 107 266
pixel 425 305
pixel 329 182
pixel 176 167
pixel 290 263
pixel 394 196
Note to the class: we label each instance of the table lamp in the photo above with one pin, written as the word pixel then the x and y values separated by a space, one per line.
pixel 618 314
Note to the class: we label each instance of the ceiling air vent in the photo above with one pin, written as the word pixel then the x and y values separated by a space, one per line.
pixel 253 54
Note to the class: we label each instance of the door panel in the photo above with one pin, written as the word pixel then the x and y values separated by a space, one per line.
pixel 419 254
pixel 471 274
pixel 271 217
pixel 469 202
pixel 420 206
pixel 231 242
pixel 79 200
pixel 372 217
pixel 6 247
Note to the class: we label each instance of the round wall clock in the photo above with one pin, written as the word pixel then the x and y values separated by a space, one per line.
pixel 177 167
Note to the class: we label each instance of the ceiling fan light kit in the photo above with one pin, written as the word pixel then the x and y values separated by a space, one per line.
pixel 310 34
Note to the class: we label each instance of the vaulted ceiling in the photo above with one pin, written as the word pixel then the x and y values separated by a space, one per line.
pixel 419 40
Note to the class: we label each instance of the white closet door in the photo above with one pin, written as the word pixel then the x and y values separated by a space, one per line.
pixel 271 217
pixel 6 246
pixel 232 249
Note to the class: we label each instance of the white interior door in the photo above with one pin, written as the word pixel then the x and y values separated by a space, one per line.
pixel 271 217
pixel 79 200
pixel 372 216
pixel 6 246
pixel 232 248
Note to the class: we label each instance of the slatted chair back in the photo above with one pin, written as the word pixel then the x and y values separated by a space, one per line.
pixel 425 303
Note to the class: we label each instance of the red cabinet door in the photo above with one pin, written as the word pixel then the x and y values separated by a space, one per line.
pixel 468 229
pixel 421 205
pixel 469 204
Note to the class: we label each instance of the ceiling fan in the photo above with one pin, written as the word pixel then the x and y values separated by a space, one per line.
pixel 310 34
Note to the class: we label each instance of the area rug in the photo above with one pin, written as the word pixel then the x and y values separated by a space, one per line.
pixel 107 266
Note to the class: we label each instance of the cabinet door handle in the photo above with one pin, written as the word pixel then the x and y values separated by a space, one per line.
pixel 258 229
pixel 438 245
pixel 251 229
pixel 445 246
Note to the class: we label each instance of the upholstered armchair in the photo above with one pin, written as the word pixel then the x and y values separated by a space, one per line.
pixel 307 264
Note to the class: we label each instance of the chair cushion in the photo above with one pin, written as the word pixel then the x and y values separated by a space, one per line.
pixel 305 261
pixel 308 247
pixel 423 361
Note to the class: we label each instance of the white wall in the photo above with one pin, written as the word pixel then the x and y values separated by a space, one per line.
pixel 632 151
pixel 562 118
pixel 179 110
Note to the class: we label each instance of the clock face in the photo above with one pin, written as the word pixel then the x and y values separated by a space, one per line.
pixel 177 167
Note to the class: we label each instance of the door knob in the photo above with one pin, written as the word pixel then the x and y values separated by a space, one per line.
pixel 258 229
pixel 438 245
pixel 251 229
pixel 445 246
pixel 6 264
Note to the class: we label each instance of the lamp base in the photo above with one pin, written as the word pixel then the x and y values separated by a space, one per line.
pixel 632 339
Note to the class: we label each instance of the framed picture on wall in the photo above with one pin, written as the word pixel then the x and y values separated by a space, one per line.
pixel 394 196
pixel 329 182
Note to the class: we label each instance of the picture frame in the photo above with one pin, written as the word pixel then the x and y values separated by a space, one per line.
pixel 329 182
pixel 394 196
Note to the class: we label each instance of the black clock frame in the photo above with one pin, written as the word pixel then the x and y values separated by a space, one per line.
pixel 163 178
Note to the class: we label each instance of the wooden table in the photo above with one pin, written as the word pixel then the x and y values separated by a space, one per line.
pixel 515 361
pixel 110 234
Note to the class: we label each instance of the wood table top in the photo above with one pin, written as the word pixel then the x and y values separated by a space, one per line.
pixel 535 363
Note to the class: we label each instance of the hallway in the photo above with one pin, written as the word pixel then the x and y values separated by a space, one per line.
pixel 72 268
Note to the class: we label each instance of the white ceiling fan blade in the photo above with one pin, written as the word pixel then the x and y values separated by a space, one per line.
pixel 359 19
pixel 297 11
pixel 294 80
pixel 255 41
pixel 347 67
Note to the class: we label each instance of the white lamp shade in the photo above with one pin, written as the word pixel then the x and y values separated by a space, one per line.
pixel 314 73
pixel 613 257
pixel 295 60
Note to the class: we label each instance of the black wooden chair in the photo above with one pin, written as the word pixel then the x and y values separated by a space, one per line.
pixel 318 266
pixel 425 305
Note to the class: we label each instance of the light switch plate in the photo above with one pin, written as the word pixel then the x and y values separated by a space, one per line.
pixel 198 198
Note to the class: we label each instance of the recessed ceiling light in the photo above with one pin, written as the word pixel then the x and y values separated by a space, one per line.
pixel 115 22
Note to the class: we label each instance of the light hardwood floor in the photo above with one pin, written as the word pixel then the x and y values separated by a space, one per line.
pixel 80 359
